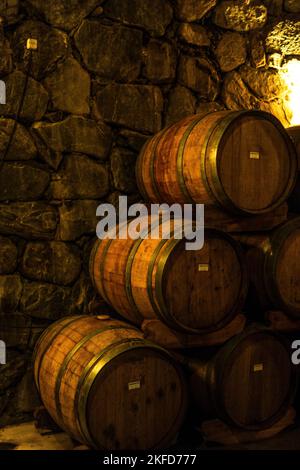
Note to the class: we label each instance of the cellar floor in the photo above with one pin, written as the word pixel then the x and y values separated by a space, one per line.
pixel 27 437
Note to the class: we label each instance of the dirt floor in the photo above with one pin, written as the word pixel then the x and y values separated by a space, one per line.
pixel 27 437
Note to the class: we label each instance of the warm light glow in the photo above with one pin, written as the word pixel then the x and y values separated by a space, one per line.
pixel 291 75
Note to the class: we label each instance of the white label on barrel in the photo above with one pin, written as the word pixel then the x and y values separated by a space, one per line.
pixel 258 367
pixel 254 155
pixel 203 267
pixel 134 385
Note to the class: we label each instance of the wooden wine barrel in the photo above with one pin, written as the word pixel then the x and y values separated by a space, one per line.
pixel 108 387
pixel 250 382
pixel 274 268
pixel 190 291
pixel 243 161
pixel 294 199
pixel 294 133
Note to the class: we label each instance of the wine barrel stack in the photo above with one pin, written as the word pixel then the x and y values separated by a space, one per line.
pixel 102 380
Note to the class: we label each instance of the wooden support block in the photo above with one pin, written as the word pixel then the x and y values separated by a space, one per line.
pixel 221 433
pixel 279 321
pixel 158 332
pixel 219 219
pixel 44 423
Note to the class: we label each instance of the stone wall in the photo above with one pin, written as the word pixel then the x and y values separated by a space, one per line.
pixel 106 75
